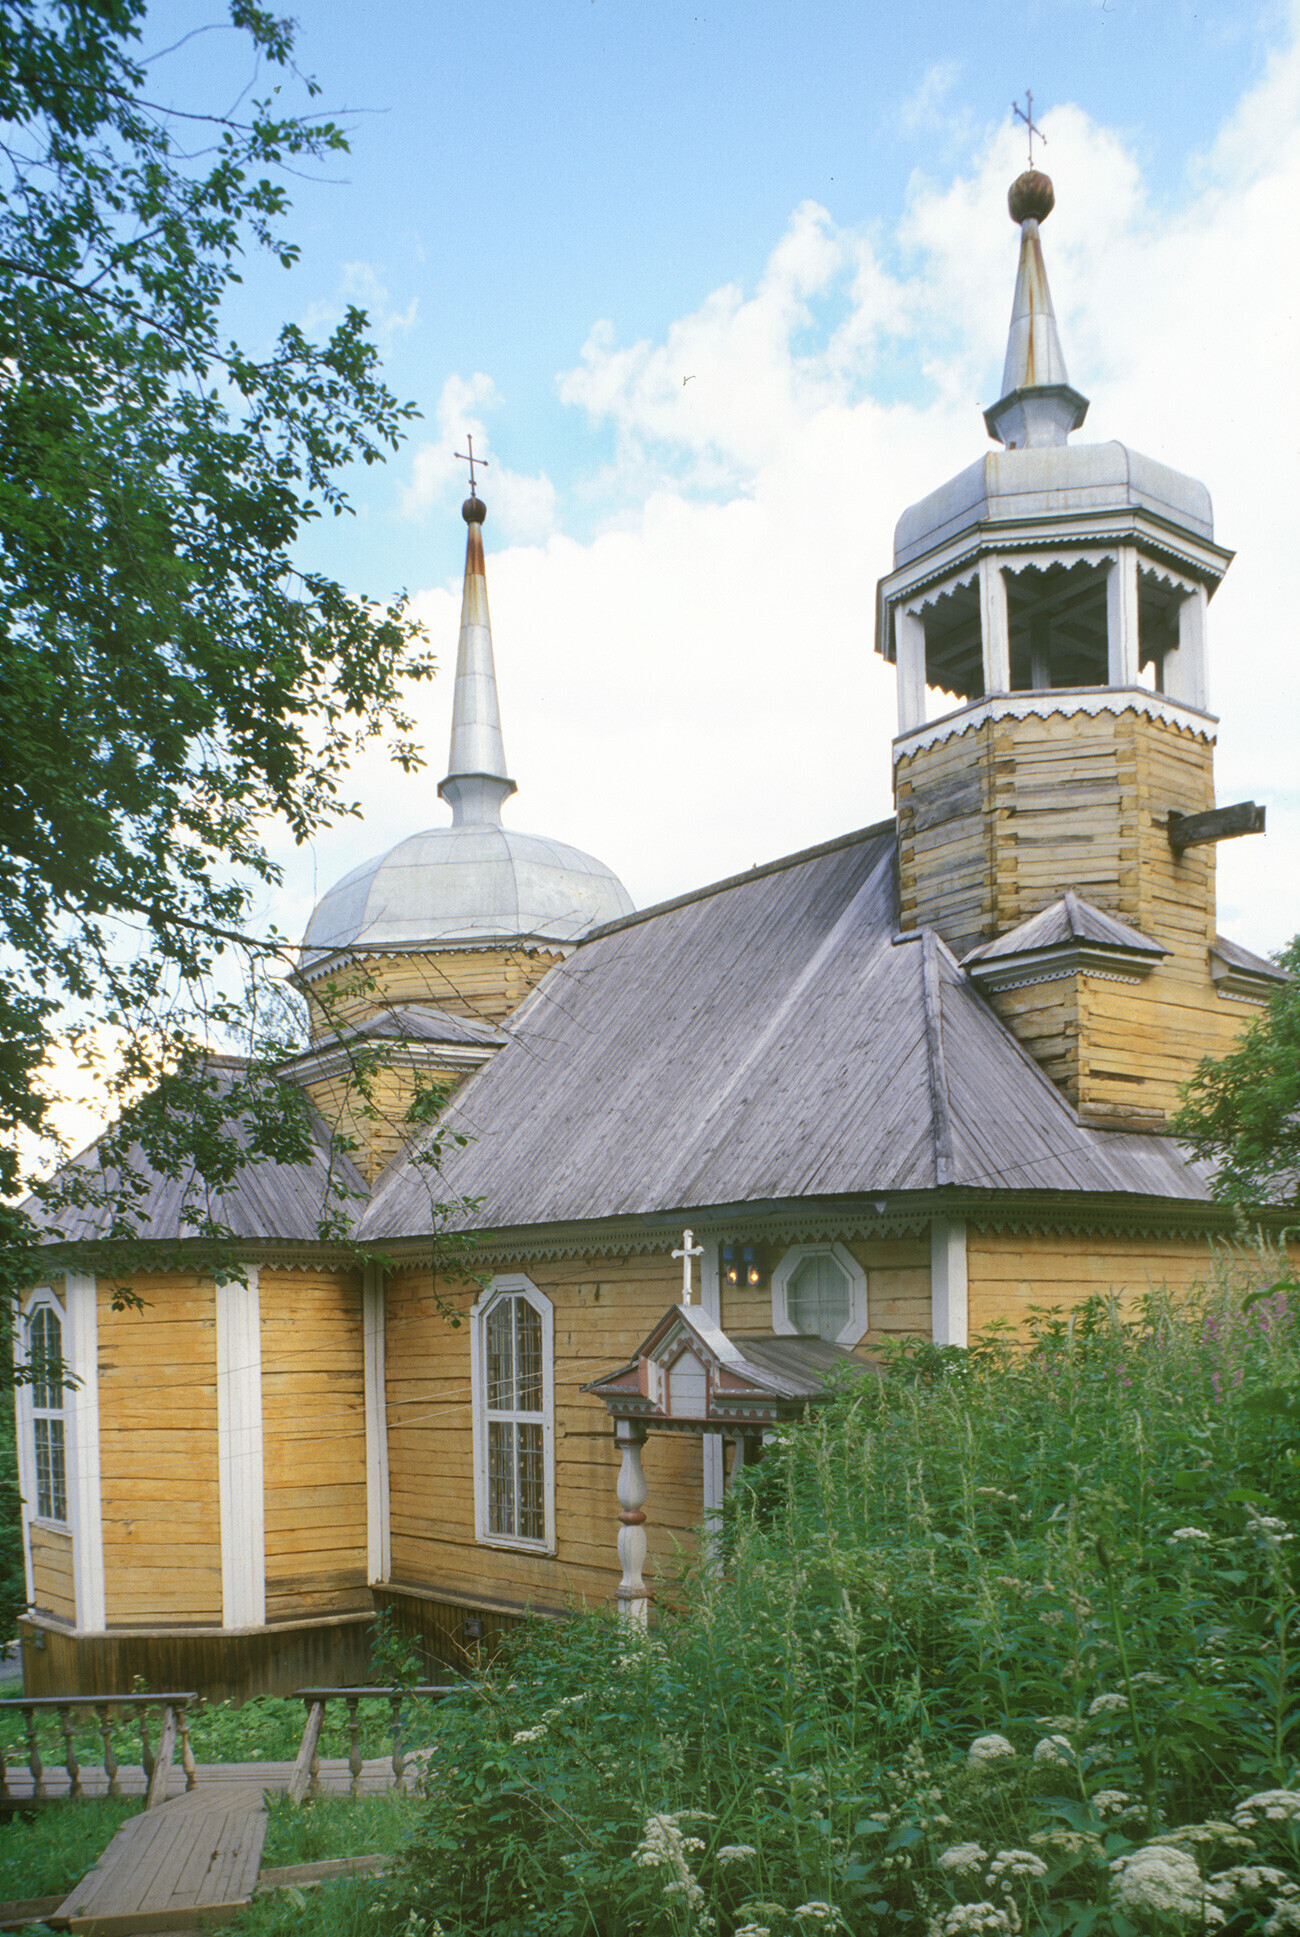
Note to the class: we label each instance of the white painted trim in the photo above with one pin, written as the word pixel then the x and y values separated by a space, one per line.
pixel 859 1318
pixel 1064 700
pixel 1122 648
pixel 949 1312
pixel 40 1295
pixel 508 1284
pixel 81 1414
pixel 714 1475
pixel 379 1557
pixel 239 1452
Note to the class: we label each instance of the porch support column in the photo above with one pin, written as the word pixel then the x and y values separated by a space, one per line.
pixel 995 628
pixel 909 656
pixel 81 1410
pixel 1122 619
pixel 239 1452
pixel 633 1597
pixel 948 1310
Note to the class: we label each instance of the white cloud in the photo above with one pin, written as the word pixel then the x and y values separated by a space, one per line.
pixel 362 287
pixel 695 688
pixel 523 505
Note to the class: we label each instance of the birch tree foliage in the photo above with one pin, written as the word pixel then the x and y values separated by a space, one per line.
pixel 172 679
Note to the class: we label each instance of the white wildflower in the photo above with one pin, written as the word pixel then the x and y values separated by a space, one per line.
pixel 1014 1863
pixel 1285 1918
pixel 736 1852
pixel 1163 1880
pixel 973 1920
pixel 1148 1678
pixel 1111 1802
pixel 1108 1705
pixel 754 1930
pixel 537 1734
pixel 988 1749
pixel 1270 1806
pixel 1189 1534
pixel 663 1846
pixel 825 1913
pixel 1218 1835
pixel 963 1859
pixel 1067 1842
pixel 1245 1880
pixel 1055 1752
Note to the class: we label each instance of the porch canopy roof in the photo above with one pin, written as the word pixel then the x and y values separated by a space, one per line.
pixel 688 1376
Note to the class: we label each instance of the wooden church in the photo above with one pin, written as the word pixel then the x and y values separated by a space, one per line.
pixel 908 1082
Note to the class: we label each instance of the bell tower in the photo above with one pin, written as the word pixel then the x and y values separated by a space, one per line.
pixel 1047 617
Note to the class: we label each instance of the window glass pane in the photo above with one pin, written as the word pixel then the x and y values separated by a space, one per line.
pixel 51 1480
pixel 528 1356
pixel 45 1339
pixel 818 1298
pixel 500 1357
pixel 531 1493
pixel 501 1477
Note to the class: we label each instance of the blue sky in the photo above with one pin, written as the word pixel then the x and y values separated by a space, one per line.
pixel 556 210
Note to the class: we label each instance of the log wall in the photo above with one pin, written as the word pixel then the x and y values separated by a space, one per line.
pixel 158 1454
pixel 313 1443
pixel 373 1123
pixel 488 983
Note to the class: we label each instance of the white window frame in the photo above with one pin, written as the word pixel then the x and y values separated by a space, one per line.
pixel 857 1277
pixel 43 1299
pixel 512 1284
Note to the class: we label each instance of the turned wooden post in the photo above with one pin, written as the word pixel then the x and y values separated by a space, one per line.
pixel 111 1765
pixel 34 1762
pixel 70 1762
pixel 399 1761
pixel 354 1742
pixel 187 1753
pixel 632 1596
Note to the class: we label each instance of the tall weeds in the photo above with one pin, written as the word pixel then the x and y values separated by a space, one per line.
pixel 1002 1641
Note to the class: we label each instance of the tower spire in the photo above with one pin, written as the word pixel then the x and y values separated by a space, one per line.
pixel 1037 405
pixel 476 783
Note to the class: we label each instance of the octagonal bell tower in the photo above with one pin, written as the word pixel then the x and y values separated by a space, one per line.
pixel 1047 617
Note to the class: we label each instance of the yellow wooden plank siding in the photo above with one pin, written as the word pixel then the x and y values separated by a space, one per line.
pixel 602 1309
pixel 158 1454
pixel 53 1587
pixel 313 1443
pixel 488 983
pixel 372 1118
pixel 898 1292
pixel 998 820
pixel 1009 1273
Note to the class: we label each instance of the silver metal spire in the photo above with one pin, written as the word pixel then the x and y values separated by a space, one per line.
pixel 476 784
pixel 1037 405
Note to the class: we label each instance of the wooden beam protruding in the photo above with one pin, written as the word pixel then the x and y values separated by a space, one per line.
pixel 1220 824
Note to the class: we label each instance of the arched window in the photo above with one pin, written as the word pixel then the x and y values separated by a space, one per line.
pixel 45 1358
pixel 512 1360
pixel 820 1291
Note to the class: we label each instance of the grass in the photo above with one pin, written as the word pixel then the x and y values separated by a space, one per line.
pixel 51 1850
pixel 335 1826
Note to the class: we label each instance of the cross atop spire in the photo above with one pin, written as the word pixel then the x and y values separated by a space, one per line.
pixel 1026 114
pixel 1037 405
pixel 468 457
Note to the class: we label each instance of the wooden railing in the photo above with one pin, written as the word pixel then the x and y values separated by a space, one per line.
pixel 155 1763
pixel 305 1780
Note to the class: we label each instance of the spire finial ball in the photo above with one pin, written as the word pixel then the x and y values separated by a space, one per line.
pixel 473 511
pixel 1031 195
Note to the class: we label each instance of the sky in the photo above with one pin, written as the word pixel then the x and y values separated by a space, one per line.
pixel 719 293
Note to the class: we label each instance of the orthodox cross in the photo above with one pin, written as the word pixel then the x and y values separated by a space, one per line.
pixel 1026 114
pixel 686 1254
pixel 468 457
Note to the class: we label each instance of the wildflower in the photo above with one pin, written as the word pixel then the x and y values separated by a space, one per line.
pixel 736 1852
pixel 987 1749
pixel 1108 1705
pixel 1218 1835
pixel 1245 1880
pixel 1163 1880
pixel 1189 1535
pixel 1067 1842
pixel 963 1858
pixel 973 1920
pixel 823 1912
pixel 754 1930
pixel 1054 1752
pixel 1008 1864
pixel 663 1846
pixel 1270 1806
pixel 537 1734
pixel 1147 1678
pixel 1285 1918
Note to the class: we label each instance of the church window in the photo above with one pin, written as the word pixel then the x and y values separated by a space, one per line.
pixel 512 1351
pixel 45 1359
pixel 820 1291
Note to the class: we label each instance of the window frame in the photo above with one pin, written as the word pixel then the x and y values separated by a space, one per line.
pixel 44 1300
pixel 858 1319
pixel 512 1284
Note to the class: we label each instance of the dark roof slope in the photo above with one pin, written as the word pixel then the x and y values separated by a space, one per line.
pixel 767 1039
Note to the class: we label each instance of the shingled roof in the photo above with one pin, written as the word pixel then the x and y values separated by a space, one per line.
pixel 770 1038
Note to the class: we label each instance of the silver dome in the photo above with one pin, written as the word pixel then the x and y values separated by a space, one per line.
pixel 467 885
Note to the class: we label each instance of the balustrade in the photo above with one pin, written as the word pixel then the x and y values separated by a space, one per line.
pixel 305 1781
pixel 155 1763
